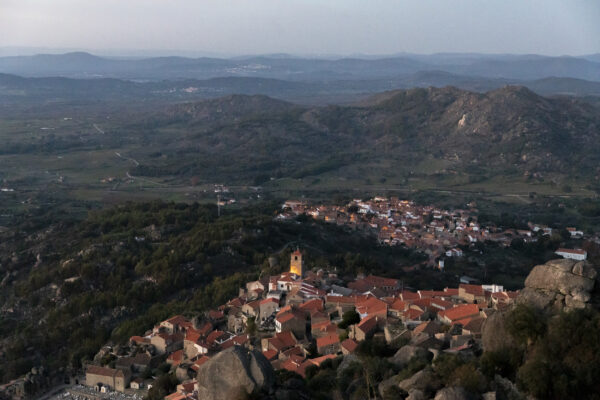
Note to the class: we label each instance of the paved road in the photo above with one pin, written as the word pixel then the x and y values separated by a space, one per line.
pixel 133 160
pixel 96 127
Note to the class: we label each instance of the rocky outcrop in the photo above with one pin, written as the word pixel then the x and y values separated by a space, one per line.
pixel 494 336
pixel 452 393
pixel 424 380
pixel 552 287
pixel 416 394
pixel 561 285
pixel 235 372
pixel 505 389
pixel 407 353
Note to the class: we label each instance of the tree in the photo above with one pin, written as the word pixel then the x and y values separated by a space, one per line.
pixel 525 324
pixel 350 317
pixel 251 326
pixel 564 363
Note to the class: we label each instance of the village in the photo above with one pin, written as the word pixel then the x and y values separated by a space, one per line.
pixel 298 320
pixel 436 232
pixel 301 318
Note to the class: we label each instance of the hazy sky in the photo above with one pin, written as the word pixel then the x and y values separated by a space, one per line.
pixel 553 27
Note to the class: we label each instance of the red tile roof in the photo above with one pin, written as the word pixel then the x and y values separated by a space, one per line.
pixel 214 314
pixel 460 312
pixel 269 300
pixel 201 360
pixel 176 357
pixel 571 251
pixel 408 295
pixel 327 340
pixel 193 335
pixel 178 320
pixel 312 305
pixel 412 314
pixel 476 290
pixel 283 340
pixel 270 354
pixel 349 345
pixel 214 336
pixel 97 370
pixel 139 340
pixel 371 306
pixel 368 324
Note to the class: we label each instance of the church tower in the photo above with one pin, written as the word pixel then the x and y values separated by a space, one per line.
pixel 296 263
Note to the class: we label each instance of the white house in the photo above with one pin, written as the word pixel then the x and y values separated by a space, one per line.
pixel 575 233
pixel 573 254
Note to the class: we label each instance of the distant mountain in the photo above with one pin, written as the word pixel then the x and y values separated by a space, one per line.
pixel 593 57
pixel 519 67
pixel 16 90
pixel 532 68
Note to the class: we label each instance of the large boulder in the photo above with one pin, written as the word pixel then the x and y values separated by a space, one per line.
pixel 452 393
pixel 424 380
pixel 235 372
pixel 416 394
pixel 494 336
pixel 560 285
pixel 388 384
pixel 505 389
pixel 407 353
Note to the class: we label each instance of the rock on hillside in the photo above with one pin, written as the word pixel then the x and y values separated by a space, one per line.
pixel 407 353
pixel 561 284
pixel 452 393
pixel 494 336
pixel 233 373
pixel 552 287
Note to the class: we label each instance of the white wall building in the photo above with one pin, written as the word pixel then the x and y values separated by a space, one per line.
pixel 573 254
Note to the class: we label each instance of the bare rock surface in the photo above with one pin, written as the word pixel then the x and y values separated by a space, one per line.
pixel 424 380
pixel 452 393
pixel 561 285
pixel 234 372
pixel 407 353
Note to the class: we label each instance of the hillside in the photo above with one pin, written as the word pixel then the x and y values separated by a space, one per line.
pixel 21 91
pixel 449 135
pixel 509 144
pixel 125 268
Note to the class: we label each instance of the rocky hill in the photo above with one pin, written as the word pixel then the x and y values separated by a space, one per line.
pixel 448 136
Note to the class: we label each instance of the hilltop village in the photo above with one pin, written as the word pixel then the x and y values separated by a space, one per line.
pixel 298 320
pixel 436 232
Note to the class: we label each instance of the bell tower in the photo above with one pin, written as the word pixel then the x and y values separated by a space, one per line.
pixel 296 263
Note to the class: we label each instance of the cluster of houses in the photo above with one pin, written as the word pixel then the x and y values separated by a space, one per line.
pixel 437 232
pixel 299 319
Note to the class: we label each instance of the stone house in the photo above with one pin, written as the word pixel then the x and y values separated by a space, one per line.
pixel 268 307
pixel 167 343
pixel 364 329
pixel 103 379
pixel 293 321
pixel 137 383
pixel 329 344
pixel 348 346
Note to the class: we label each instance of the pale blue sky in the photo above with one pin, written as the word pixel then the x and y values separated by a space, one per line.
pixel 342 27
